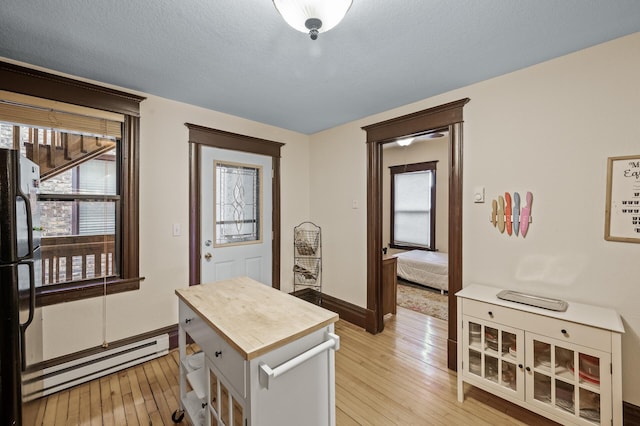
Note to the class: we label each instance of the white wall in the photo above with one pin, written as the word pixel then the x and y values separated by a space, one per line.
pixel 418 152
pixel 164 200
pixel 338 179
pixel 547 129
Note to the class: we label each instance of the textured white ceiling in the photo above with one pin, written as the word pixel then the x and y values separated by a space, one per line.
pixel 241 58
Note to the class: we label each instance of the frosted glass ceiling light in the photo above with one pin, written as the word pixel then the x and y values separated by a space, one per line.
pixel 405 141
pixel 312 16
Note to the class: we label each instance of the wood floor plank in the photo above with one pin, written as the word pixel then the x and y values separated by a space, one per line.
pixel 117 403
pixel 169 369
pixel 127 398
pixel 96 406
pixel 164 383
pixel 62 407
pixel 84 415
pixel 343 419
pixel 145 388
pixel 130 410
pixel 73 412
pixel 105 402
pixel 156 389
pixel 40 414
pixel 137 398
pixel 155 419
pixel 49 417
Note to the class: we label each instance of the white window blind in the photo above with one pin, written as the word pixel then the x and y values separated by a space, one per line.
pixel 38 112
pixel 97 217
pixel 412 208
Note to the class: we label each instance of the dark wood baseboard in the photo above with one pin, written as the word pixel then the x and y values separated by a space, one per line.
pixel 308 294
pixel 347 311
pixel 173 336
pixel 630 414
pixel 452 355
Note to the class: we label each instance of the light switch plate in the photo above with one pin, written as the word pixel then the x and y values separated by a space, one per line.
pixel 478 194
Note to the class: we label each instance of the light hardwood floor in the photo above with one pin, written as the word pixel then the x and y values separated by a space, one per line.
pixel 398 377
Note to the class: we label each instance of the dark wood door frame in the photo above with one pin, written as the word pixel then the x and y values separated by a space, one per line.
pixel 200 136
pixel 449 117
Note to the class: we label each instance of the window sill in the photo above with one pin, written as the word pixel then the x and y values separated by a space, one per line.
pixel 409 247
pixel 79 290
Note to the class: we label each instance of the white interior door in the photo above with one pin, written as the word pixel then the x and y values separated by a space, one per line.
pixel 236 210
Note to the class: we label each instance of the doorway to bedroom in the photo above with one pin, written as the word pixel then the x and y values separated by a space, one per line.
pixel 415 220
pixel 447 117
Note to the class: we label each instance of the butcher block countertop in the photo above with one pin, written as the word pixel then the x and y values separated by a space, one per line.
pixel 252 317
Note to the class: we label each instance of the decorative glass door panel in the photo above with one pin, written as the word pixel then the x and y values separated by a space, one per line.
pixel 492 354
pixel 238 208
pixel 559 385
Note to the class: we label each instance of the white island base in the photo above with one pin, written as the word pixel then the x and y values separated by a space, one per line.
pixel 267 357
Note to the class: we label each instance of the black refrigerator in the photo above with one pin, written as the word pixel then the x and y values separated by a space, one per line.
pixel 20 274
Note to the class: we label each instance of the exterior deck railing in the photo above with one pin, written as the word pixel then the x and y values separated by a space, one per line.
pixel 76 257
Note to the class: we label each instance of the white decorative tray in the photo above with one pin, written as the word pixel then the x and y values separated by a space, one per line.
pixel 533 300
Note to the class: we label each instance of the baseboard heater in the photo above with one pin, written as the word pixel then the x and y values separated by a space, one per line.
pixel 54 379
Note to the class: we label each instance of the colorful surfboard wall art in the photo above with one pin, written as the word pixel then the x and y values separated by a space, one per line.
pixel 506 213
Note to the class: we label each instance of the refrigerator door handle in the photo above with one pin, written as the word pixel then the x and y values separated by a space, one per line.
pixel 32 309
pixel 27 204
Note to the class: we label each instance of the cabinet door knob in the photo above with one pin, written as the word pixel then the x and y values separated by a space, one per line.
pixel 520 366
pixel 188 320
pixel 218 353
pixel 528 369
pixel 491 314
pixel 564 331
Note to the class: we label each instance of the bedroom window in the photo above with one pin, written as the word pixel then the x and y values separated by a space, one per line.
pixel 413 195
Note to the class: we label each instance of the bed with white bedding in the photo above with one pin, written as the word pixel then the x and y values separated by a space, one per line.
pixel 428 268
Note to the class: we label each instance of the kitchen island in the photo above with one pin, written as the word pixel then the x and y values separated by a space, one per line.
pixel 266 357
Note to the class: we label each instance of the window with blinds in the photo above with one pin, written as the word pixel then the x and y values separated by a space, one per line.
pixel 413 194
pixel 85 139
pixel 77 150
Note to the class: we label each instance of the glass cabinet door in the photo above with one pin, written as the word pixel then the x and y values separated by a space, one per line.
pixel 568 379
pixel 491 353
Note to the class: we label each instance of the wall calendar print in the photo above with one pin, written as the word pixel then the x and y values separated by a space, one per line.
pixel 622 221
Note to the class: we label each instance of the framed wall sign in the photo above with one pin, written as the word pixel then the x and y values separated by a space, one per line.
pixel 622 221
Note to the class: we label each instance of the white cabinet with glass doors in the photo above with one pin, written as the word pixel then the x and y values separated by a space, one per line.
pixel 562 365
pixel 492 356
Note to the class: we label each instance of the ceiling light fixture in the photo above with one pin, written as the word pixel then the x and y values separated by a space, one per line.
pixel 405 141
pixel 435 135
pixel 312 16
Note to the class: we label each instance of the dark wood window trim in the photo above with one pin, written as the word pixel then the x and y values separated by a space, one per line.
pixel 447 116
pixel 203 136
pixel 409 168
pixel 18 79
